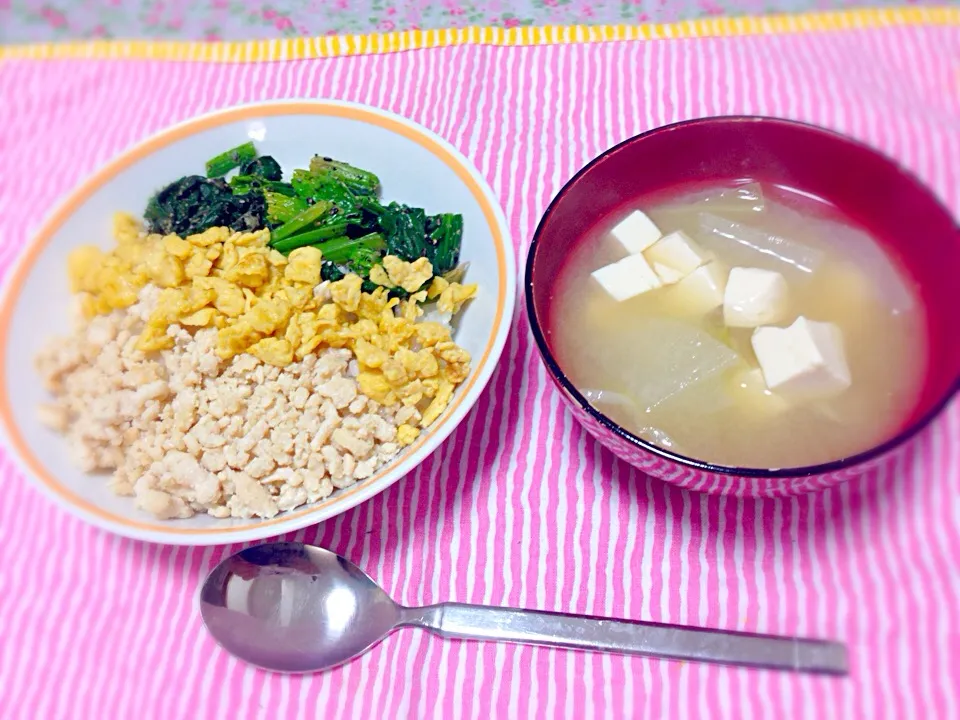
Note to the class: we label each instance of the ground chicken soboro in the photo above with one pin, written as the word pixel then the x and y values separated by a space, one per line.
pixel 212 374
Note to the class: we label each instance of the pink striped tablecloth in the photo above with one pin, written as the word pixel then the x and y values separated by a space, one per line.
pixel 519 507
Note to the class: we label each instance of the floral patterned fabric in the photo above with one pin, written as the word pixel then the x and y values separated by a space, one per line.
pixel 23 21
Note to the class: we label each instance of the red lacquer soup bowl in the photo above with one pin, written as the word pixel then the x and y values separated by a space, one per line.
pixel 870 190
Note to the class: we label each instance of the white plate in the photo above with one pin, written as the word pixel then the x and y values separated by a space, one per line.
pixel 415 166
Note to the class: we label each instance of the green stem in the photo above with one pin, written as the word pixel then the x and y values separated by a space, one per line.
pixel 225 162
pixel 301 220
pixel 311 237
pixel 342 249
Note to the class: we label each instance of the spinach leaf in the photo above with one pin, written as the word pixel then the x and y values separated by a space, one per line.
pixel 405 231
pixel 446 234
pixel 194 203
pixel 411 234
pixel 264 167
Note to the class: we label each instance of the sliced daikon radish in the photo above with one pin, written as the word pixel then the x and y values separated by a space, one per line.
pixel 710 395
pixel 616 406
pixel 659 438
pixel 742 198
pixel 607 397
pixel 756 246
pixel 676 358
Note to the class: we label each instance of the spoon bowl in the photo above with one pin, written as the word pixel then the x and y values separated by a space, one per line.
pixel 292 607
pixel 296 608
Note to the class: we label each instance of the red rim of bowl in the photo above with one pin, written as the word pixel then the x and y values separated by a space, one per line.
pixel 802 471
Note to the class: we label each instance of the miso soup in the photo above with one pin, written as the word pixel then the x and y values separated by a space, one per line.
pixel 744 326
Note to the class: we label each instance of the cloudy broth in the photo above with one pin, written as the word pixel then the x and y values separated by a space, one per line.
pixel 686 380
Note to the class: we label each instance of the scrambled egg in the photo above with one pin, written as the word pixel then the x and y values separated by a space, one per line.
pixel 450 296
pixel 275 308
pixel 409 276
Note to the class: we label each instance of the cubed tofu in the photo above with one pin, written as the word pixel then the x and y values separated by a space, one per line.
pixel 755 297
pixel 627 278
pixel 675 256
pixel 636 233
pixel 667 275
pixel 805 361
pixel 701 291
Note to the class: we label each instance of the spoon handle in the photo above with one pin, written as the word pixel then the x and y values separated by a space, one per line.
pixel 677 642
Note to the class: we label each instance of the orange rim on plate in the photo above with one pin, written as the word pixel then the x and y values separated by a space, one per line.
pixel 91 185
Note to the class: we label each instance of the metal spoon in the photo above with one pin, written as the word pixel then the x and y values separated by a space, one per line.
pixel 291 607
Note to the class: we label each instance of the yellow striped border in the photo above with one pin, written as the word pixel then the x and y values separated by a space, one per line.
pixel 374 43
